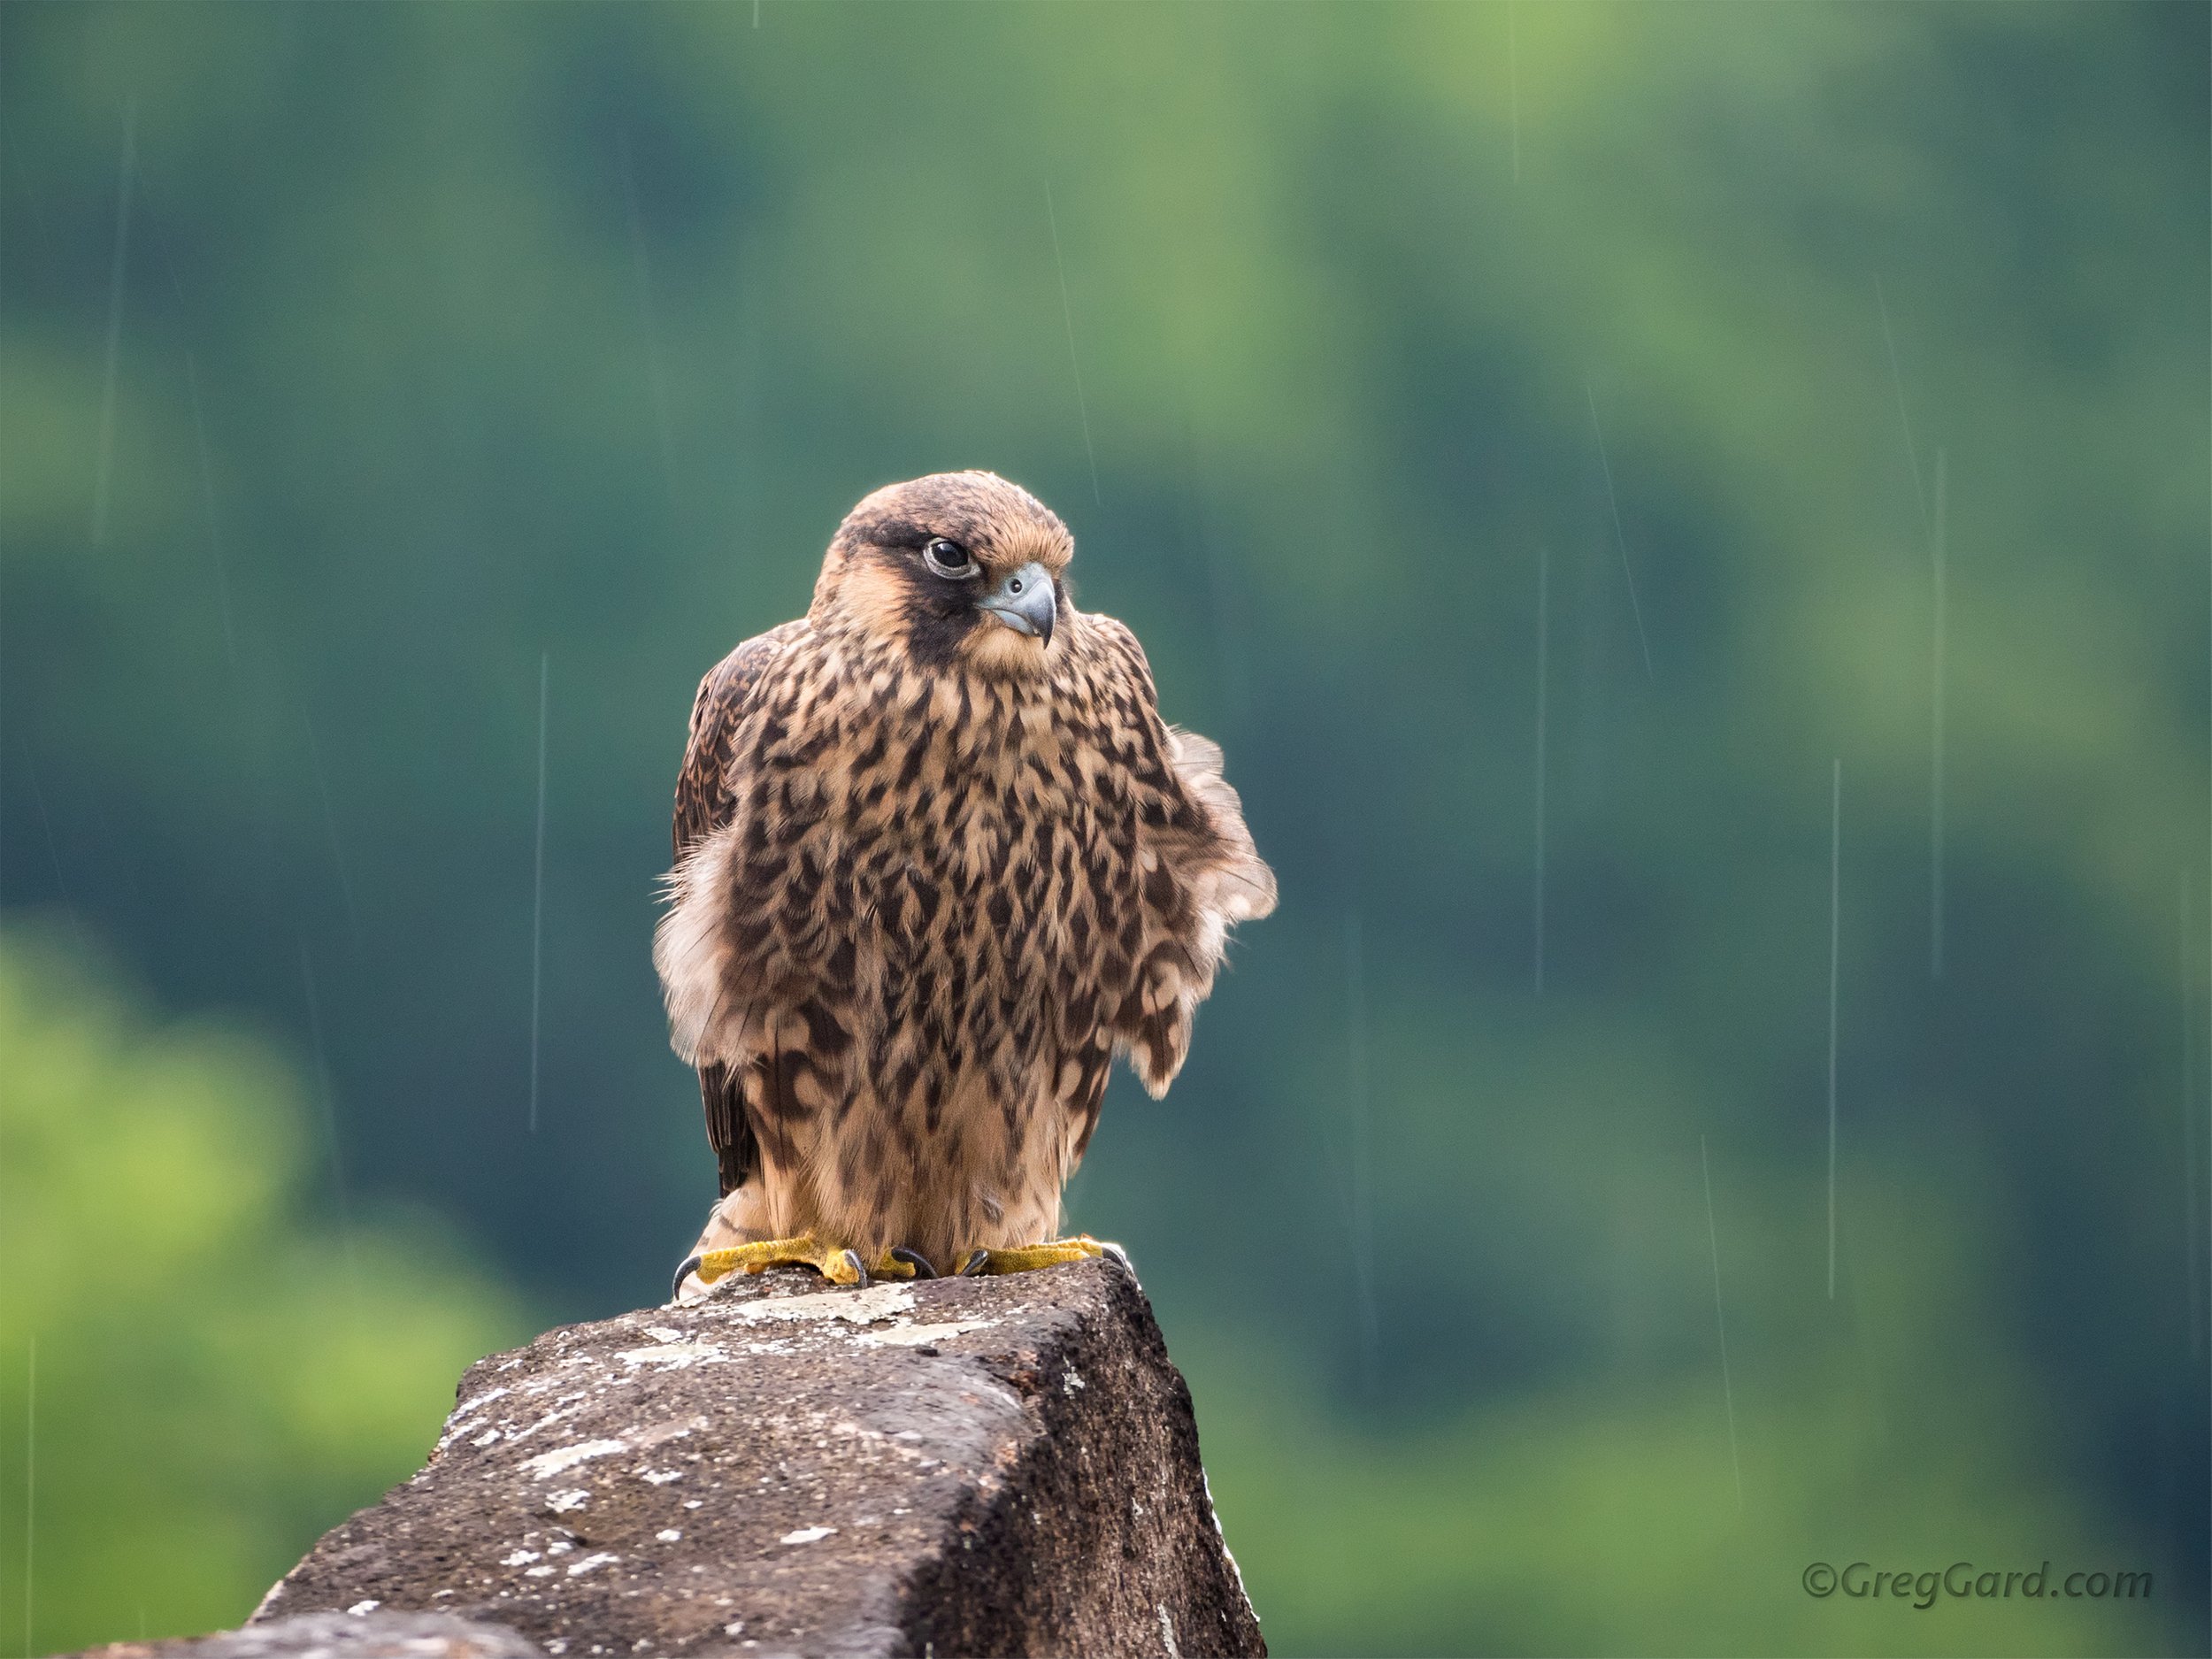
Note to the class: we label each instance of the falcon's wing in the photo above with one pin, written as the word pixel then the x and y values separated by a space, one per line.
pixel 703 787
pixel 1200 874
pixel 704 804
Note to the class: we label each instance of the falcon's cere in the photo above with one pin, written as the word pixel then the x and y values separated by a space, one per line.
pixel 938 862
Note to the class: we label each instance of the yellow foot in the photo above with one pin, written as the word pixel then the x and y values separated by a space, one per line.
pixel 1025 1258
pixel 834 1263
pixel 838 1265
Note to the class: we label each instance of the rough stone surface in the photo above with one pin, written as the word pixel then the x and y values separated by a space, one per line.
pixel 981 1466
pixel 369 1635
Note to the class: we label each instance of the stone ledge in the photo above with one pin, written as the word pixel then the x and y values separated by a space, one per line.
pixel 982 1466
pixel 369 1635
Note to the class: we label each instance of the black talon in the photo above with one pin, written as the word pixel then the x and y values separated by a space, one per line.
pixel 690 1266
pixel 972 1268
pixel 914 1259
pixel 1119 1255
pixel 858 1267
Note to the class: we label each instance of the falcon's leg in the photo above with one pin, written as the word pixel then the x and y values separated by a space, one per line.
pixel 837 1265
pixel 1026 1257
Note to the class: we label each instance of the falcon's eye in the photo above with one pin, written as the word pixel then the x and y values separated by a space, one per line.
pixel 949 558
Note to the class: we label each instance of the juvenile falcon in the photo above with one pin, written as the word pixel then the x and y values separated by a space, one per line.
pixel 938 862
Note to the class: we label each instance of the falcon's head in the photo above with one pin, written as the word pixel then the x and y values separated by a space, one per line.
pixel 957 568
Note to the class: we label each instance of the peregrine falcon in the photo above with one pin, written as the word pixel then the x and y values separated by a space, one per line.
pixel 938 861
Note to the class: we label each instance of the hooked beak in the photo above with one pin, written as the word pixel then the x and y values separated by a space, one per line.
pixel 1024 601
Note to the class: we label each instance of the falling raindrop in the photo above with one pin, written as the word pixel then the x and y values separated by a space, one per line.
pixel 537 891
pixel 2189 1128
pixel 105 463
pixel 326 1098
pixel 30 1494
pixel 1904 420
pixel 1513 80
pixel 1543 680
pixel 1941 629
pixel 1727 1384
pixel 207 503
pixel 1620 536
pixel 641 264
pixel 1835 970
pixel 1363 1152
pixel 330 830
pixel 1067 314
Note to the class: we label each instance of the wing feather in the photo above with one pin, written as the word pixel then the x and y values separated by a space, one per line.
pixel 1200 874
pixel 705 801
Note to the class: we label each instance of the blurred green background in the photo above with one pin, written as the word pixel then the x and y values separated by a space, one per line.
pixel 1548 444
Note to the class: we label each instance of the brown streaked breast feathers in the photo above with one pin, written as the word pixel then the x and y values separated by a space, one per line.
pixel 916 914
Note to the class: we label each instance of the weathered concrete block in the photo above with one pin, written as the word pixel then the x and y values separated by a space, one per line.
pixel 986 1466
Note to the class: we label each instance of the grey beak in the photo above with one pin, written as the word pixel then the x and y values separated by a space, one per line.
pixel 1024 601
